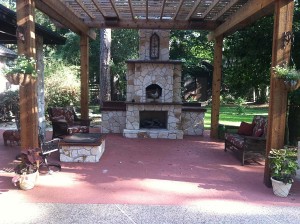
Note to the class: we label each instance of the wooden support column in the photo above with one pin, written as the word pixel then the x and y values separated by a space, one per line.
pixel 283 20
pixel 84 59
pixel 28 100
pixel 216 87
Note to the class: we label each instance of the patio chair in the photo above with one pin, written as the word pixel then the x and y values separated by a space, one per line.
pixel 65 122
pixel 48 147
pixel 250 137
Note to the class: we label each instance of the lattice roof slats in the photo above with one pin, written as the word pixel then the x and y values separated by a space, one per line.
pixel 195 14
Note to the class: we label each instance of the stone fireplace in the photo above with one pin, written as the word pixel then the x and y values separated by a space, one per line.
pixel 153 107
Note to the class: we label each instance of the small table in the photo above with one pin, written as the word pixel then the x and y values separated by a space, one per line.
pixel 82 147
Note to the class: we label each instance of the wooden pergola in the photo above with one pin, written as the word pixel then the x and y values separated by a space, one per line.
pixel 221 17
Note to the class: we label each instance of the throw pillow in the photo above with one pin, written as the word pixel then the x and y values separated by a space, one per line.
pixel 59 118
pixel 258 133
pixel 245 129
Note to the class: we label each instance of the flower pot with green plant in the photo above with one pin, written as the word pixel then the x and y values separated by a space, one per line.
pixel 27 171
pixel 21 70
pixel 283 166
pixel 290 76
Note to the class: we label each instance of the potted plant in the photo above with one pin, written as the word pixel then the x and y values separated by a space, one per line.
pixel 21 70
pixel 290 76
pixel 283 165
pixel 28 169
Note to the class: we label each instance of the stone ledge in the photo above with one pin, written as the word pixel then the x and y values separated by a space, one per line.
pixel 153 133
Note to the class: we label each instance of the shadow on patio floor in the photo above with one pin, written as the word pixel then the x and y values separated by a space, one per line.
pixel 148 171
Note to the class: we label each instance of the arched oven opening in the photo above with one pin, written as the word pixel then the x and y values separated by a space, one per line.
pixel 153 93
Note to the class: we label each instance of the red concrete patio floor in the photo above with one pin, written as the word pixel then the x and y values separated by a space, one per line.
pixel 191 171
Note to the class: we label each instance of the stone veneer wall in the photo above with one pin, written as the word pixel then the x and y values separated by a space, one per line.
pixel 192 123
pixel 81 153
pixel 113 121
pixel 144 44
pixel 141 74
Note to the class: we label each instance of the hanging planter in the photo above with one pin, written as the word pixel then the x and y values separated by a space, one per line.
pixel 18 78
pixel 289 75
pixel 291 85
pixel 21 70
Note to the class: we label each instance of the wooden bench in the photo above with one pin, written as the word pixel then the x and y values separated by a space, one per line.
pixel 244 139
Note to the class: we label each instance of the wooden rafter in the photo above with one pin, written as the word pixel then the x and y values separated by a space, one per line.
pixel 212 5
pixel 162 9
pixel 96 3
pixel 178 9
pixel 115 9
pixel 225 9
pixel 147 7
pixel 131 10
pixel 237 20
pixel 193 9
pixel 59 12
pixel 85 9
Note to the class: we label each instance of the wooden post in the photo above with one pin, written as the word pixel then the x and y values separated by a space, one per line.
pixel 278 94
pixel 84 59
pixel 28 100
pixel 216 87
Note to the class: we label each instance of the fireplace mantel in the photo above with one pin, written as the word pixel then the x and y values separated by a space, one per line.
pixel 154 61
pixel 151 103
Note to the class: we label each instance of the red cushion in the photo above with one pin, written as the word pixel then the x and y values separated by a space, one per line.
pixel 246 129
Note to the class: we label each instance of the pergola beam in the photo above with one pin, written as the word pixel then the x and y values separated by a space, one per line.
pixel 249 12
pixel 155 24
pixel 59 12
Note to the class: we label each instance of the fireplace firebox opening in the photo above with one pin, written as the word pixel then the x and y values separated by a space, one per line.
pixel 154 119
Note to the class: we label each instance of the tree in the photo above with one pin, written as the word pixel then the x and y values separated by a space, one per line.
pixel 124 47
pixel 105 82
pixel 247 59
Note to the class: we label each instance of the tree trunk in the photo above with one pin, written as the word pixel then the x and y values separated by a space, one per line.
pixel 40 86
pixel 105 80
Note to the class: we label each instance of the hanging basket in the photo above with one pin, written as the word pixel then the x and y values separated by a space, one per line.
pixel 280 189
pixel 292 85
pixel 18 78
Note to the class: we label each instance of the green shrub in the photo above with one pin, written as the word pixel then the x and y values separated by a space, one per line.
pixel 62 85
pixel 240 108
pixel 9 104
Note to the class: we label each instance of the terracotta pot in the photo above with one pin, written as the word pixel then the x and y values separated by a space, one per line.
pixel 19 78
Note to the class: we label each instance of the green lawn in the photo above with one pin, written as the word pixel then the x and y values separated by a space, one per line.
pixel 229 115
